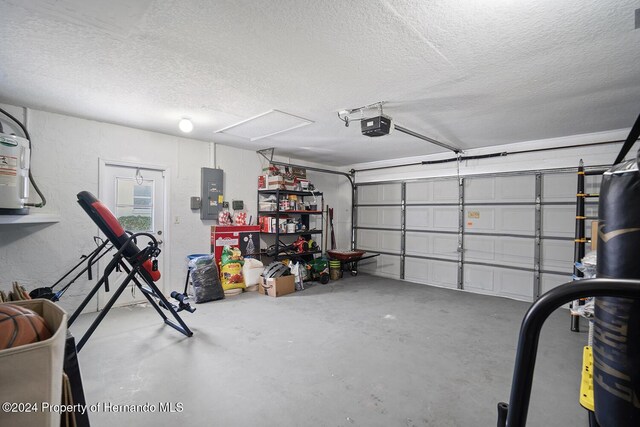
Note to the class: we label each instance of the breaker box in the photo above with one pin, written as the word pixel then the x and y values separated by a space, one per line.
pixel 212 193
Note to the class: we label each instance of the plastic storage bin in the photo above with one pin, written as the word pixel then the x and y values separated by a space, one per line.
pixel 32 374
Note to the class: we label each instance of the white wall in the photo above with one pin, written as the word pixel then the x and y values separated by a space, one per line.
pixel 65 161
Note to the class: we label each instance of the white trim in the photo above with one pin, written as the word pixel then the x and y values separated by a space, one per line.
pixel 166 233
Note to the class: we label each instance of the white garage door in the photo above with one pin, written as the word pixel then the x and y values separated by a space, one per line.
pixel 483 240
pixel 379 216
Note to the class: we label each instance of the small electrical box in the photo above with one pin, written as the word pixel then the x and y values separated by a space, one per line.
pixel 237 205
pixel 195 203
pixel 212 193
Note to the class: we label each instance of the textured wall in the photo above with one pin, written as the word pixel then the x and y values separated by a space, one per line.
pixel 65 161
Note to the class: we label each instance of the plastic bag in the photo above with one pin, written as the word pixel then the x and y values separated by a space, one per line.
pixel 224 217
pixel 296 271
pixel 231 254
pixel 588 265
pixel 231 276
pixel 240 217
pixel 205 280
pixel 251 271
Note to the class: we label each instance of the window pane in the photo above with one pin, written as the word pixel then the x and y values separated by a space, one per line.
pixel 134 204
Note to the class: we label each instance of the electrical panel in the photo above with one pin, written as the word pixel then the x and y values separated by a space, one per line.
pixel 212 193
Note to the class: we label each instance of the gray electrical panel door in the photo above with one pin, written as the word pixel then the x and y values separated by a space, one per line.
pixel 212 193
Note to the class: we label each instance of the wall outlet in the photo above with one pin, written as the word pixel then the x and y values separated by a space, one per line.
pixel 176 220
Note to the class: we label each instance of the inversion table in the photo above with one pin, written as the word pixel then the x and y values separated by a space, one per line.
pixel 140 265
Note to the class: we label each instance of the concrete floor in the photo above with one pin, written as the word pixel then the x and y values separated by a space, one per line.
pixel 363 351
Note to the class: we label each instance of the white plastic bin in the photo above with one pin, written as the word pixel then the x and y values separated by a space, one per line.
pixel 32 374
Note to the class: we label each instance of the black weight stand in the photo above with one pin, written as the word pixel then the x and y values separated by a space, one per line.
pixel 148 289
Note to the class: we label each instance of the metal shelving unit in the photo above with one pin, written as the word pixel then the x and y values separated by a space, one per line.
pixel 305 218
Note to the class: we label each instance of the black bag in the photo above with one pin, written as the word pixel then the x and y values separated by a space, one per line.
pixel 205 279
pixel 616 343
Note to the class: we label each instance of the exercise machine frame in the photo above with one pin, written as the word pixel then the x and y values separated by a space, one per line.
pixel 140 267
pixel 514 414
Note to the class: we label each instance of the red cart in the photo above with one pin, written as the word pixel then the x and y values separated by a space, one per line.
pixel 349 259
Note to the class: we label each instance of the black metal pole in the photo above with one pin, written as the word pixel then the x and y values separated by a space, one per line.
pixel 579 241
pixel 105 310
pixel 83 258
pixel 530 334
pixel 92 260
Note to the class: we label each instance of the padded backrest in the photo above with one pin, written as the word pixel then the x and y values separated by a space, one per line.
pixel 109 225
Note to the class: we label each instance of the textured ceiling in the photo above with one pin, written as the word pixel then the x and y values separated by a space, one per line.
pixel 469 73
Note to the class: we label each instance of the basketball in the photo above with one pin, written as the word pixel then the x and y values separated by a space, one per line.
pixel 20 326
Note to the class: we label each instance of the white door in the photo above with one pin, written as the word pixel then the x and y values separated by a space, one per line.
pixel 136 196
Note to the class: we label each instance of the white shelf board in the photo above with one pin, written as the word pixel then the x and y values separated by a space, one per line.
pixel 29 219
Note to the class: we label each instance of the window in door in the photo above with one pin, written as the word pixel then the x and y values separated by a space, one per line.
pixel 134 203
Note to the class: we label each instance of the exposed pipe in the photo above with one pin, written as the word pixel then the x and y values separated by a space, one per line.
pixel 426 138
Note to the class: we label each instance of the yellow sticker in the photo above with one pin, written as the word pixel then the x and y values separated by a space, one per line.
pixel 220 198
pixel 473 214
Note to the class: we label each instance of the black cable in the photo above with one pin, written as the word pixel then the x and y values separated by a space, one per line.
pixel 31 180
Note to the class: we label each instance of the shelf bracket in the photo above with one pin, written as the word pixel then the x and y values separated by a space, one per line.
pixel 267 153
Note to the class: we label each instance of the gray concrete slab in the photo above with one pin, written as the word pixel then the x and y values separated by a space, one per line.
pixel 363 351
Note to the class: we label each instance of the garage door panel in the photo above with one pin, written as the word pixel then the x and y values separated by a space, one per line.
pixel 550 281
pixel 383 265
pixel 431 272
pixel 446 191
pixel 479 190
pixel 480 218
pixel 445 218
pixel 499 281
pixel 504 189
pixel 559 221
pixel 557 255
pixel 560 187
pixel 419 217
pixel 433 245
pixel 442 191
pixel 380 194
pixel 592 184
pixel 419 192
pixel 500 219
pixel 378 216
pixel 439 218
pixel 517 252
pixel 519 219
pixel 518 284
pixel 368 240
pixel 379 240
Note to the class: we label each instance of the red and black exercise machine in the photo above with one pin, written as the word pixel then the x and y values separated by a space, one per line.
pixel 140 265
pixel 615 377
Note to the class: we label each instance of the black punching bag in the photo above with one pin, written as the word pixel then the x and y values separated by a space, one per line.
pixel 616 341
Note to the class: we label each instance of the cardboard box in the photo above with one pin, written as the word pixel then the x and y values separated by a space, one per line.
pixel 594 235
pixel 299 172
pixel 277 287
pixel 32 373
pixel 275 180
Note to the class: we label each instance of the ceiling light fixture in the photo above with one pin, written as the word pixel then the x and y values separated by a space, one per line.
pixel 185 125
